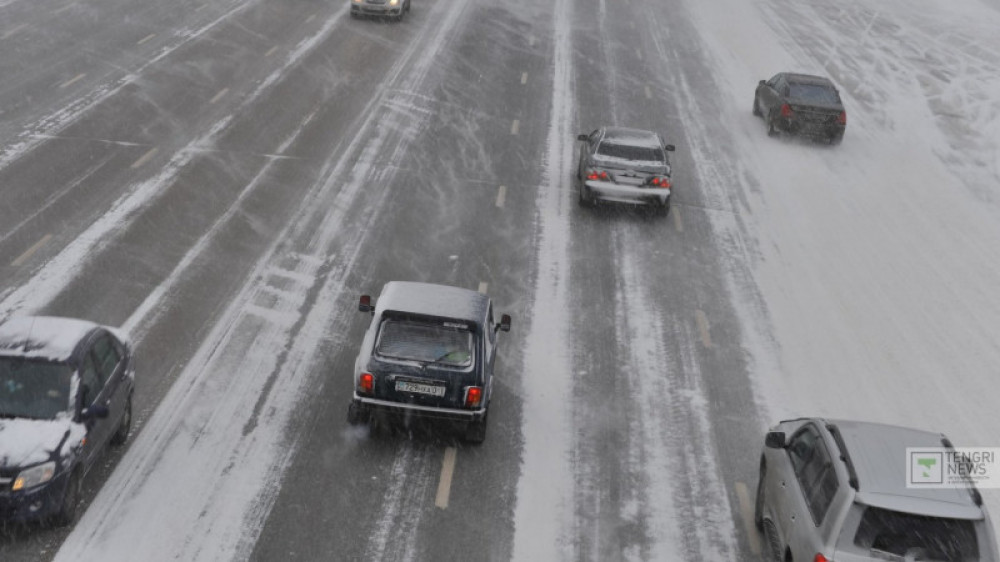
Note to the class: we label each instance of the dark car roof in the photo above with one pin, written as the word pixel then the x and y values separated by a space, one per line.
pixel 633 137
pixel 428 299
pixel 878 452
pixel 798 78
pixel 43 337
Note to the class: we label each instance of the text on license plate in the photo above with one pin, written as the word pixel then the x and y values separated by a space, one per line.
pixel 432 389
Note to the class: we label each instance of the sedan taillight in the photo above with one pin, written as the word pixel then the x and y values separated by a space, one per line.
pixel 786 110
pixel 842 118
pixel 660 181
pixel 473 396
pixel 595 175
pixel 366 383
pixel 820 558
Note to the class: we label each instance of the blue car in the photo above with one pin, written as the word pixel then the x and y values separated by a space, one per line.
pixel 65 394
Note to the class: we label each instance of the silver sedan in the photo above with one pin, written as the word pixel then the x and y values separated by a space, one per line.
pixel 624 165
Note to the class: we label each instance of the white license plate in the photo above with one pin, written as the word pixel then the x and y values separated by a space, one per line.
pixel 432 389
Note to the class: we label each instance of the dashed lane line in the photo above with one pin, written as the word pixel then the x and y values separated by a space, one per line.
pixel 63 9
pixel 144 158
pixel 28 253
pixel 219 95
pixel 145 39
pixel 310 18
pixel 703 329
pixel 444 485
pixel 515 127
pixel 483 285
pixel 271 51
pixel 13 30
pixel 524 78
pixel 746 513
pixel 678 223
pixel 501 196
pixel 649 93
pixel 72 80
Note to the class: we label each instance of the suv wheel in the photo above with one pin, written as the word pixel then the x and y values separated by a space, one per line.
pixel 476 431
pixel 71 499
pixel 758 506
pixel 773 547
pixel 357 414
pixel 771 130
pixel 124 426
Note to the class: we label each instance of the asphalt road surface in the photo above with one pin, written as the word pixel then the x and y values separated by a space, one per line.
pixel 223 179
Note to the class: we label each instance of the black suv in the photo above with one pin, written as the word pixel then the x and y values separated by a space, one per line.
pixel 429 352
pixel 65 393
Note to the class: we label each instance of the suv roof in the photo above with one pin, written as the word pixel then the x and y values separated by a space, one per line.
pixel 42 337
pixel 878 452
pixel 428 299
pixel 797 78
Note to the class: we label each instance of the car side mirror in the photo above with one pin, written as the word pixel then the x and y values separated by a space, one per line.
pixel 504 325
pixel 365 304
pixel 582 137
pixel 94 411
pixel 669 148
pixel 775 440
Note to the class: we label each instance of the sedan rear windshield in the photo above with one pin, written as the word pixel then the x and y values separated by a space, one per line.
pixel 33 388
pixel 631 152
pixel 448 344
pixel 813 93
pixel 927 538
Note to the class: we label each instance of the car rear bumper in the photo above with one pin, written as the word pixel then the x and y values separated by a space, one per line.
pixel 631 194
pixel 431 412
pixel 806 128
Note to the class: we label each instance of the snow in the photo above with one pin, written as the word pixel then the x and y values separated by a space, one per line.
pixel 876 262
pixel 24 442
pixel 43 337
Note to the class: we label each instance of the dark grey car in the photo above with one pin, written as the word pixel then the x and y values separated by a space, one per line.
pixel 801 104
pixel 834 490
pixel 394 9
pixel 65 393
pixel 624 166
pixel 429 352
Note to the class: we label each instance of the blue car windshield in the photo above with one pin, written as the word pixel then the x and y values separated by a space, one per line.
pixel 813 93
pixel 448 344
pixel 31 388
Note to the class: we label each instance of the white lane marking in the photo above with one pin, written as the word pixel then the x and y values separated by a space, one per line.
pixel 310 18
pixel 144 158
pixel 483 285
pixel 638 53
pixel 444 485
pixel 524 78
pixel 146 38
pixel 649 93
pixel 515 127
pixel 271 51
pixel 27 253
pixel 501 196
pixel 63 9
pixel 202 7
pixel 219 95
pixel 13 30
pixel 746 513
pixel 72 80
pixel 703 328
pixel 678 224
pixel 531 41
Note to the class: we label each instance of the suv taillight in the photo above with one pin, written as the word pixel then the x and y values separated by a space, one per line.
pixel 842 118
pixel 366 383
pixel 473 396
pixel 786 110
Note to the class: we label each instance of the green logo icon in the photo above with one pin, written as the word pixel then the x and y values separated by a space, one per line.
pixel 927 463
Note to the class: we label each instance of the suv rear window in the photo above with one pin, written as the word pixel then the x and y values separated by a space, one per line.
pixel 815 93
pixel 449 344
pixel 928 538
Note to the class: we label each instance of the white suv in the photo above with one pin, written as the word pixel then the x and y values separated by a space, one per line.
pixel 834 490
